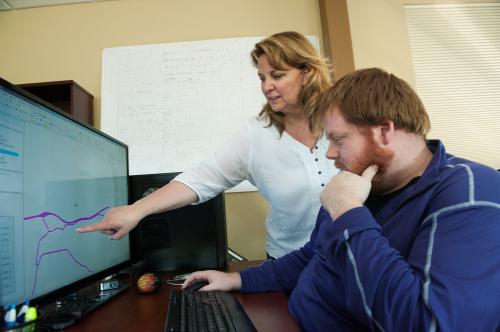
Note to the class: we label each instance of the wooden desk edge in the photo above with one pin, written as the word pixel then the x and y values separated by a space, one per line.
pixel 267 311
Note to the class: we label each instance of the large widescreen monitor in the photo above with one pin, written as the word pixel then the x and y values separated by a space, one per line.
pixel 56 174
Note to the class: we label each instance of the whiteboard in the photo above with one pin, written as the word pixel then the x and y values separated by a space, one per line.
pixel 174 104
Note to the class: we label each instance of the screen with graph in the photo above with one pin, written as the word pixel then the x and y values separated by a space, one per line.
pixel 56 174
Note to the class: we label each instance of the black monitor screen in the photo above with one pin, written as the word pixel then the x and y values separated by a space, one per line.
pixel 56 174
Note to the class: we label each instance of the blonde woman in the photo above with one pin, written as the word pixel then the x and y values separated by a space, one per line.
pixel 281 152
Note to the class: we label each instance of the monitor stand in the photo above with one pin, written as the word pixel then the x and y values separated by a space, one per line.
pixel 66 311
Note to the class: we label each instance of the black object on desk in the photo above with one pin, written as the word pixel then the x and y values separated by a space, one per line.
pixel 65 312
pixel 195 286
pixel 206 311
pixel 189 238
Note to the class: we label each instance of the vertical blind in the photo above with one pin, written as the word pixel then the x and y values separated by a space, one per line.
pixel 456 56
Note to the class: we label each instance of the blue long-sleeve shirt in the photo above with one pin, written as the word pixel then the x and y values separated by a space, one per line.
pixel 428 260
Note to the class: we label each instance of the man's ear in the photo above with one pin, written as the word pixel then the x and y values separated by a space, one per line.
pixel 385 132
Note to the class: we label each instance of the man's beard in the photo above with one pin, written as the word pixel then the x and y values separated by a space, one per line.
pixel 373 154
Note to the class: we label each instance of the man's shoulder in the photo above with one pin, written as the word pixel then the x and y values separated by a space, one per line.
pixel 456 165
pixel 470 178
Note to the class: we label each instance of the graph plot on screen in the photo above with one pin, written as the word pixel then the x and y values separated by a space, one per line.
pixel 54 225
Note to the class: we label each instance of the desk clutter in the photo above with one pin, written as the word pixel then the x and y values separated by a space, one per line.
pixel 19 317
pixel 160 310
pixel 65 283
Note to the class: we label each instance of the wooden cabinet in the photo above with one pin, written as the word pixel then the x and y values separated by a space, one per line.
pixel 66 95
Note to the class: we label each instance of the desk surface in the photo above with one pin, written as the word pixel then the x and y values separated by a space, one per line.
pixel 134 311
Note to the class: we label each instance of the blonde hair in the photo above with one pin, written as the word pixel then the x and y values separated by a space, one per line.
pixel 292 49
pixel 367 97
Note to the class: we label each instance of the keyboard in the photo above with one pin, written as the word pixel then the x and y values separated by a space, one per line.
pixel 206 311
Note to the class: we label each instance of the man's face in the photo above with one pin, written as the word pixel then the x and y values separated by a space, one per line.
pixel 354 148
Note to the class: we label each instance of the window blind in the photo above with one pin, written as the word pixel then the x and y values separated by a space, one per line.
pixel 456 56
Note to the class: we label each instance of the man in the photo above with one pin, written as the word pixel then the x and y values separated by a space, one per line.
pixel 408 238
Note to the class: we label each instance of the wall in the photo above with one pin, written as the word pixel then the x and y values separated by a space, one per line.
pixel 379 34
pixel 379 38
pixel 65 42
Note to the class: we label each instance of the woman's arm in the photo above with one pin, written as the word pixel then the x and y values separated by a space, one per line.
pixel 119 221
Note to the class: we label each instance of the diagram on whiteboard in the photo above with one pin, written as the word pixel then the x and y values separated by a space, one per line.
pixel 174 104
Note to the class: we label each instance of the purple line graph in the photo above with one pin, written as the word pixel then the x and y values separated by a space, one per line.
pixel 49 230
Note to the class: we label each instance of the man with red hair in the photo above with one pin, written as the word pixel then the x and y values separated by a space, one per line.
pixel 408 238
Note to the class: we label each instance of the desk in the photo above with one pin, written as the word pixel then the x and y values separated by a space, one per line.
pixel 134 311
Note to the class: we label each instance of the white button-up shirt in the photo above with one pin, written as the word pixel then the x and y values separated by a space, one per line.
pixel 287 173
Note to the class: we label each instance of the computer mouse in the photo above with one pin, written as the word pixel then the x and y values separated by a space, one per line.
pixel 149 282
pixel 196 285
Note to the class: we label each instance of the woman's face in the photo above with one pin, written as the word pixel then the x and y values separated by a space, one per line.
pixel 281 87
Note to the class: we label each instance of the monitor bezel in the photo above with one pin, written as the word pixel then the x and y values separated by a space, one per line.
pixel 73 287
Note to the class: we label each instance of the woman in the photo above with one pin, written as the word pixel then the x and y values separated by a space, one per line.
pixel 281 152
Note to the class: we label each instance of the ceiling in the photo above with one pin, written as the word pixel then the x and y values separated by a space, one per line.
pixel 20 4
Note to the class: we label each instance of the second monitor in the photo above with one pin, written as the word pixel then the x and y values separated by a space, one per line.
pixel 192 237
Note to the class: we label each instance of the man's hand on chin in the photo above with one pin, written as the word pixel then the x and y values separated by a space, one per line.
pixel 347 191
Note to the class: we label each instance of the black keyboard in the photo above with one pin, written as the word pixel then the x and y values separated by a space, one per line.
pixel 206 311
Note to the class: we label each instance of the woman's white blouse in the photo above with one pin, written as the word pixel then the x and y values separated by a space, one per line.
pixel 287 173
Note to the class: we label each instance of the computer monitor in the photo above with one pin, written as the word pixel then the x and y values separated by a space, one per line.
pixel 56 174
pixel 189 238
